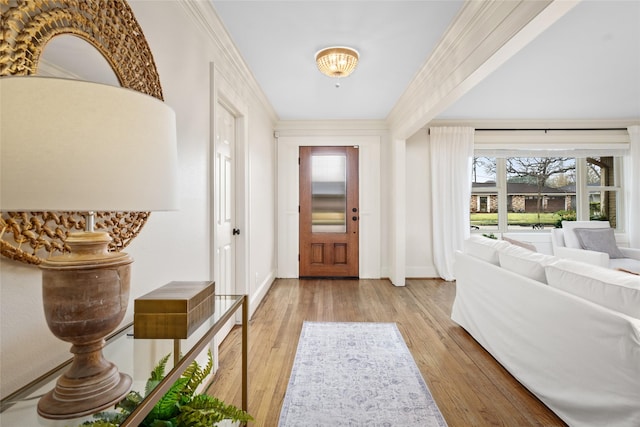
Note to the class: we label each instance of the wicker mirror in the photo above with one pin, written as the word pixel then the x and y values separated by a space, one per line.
pixel 59 58
pixel 26 26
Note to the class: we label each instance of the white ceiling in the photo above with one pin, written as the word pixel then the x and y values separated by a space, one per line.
pixel 585 66
pixel 279 39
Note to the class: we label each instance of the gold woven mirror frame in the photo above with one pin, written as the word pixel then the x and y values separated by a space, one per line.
pixel 26 26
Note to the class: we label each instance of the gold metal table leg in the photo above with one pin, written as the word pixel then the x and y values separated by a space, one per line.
pixel 245 353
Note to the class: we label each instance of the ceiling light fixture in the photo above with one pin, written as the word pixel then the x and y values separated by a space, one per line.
pixel 337 61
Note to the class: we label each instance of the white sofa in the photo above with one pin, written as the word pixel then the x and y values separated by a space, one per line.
pixel 568 331
pixel 566 244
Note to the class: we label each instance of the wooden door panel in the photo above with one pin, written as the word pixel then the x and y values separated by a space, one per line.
pixel 329 212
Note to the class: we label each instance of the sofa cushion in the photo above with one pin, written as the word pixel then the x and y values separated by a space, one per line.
pixel 484 248
pixel 613 289
pixel 570 238
pixel 599 240
pixel 525 262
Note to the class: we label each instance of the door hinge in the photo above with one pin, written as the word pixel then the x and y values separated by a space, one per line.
pixel 298 257
pixel 298 208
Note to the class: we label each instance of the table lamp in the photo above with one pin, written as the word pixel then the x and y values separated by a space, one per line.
pixel 75 146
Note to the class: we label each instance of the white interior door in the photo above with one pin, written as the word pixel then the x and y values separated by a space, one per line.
pixel 224 206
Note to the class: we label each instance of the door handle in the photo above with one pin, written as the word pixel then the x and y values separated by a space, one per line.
pixel 236 231
pixel 355 218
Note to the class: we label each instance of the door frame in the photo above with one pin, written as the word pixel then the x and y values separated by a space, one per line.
pixel 288 200
pixel 222 94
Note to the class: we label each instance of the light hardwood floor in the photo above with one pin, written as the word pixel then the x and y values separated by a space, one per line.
pixel 469 386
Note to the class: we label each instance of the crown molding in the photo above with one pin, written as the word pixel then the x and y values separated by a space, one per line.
pixel 331 128
pixel 332 124
pixel 482 36
pixel 233 66
pixel 538 124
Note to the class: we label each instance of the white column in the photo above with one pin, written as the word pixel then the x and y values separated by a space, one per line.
pixel 398 212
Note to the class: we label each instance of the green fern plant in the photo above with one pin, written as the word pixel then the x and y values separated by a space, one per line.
pixel 181 406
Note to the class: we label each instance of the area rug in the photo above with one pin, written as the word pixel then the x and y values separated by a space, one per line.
pixel 356 374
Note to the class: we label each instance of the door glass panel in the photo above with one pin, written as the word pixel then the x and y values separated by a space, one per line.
pixel 328 194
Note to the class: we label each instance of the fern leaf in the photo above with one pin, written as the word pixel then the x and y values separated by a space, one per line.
pixel 190 417
pixel 190 374
pixel 197 374
pixel 156 375
pixel 209 410
pixel 99 423
pixel 204 373
pixel 163 423
pixel 167 407
pixel 158 371
pixel 130 402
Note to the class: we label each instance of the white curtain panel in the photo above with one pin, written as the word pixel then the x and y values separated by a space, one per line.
pixel 632 183
pixel 451 155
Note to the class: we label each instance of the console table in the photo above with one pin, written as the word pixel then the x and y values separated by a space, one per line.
pixel 136 357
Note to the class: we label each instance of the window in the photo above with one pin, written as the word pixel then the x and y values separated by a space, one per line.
pixel 537 193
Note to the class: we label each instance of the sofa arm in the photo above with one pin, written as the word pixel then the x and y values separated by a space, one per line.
pixel 583 255
pixel 631 252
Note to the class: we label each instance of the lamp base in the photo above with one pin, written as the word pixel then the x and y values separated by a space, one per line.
pixel 85 295
pixel 72 398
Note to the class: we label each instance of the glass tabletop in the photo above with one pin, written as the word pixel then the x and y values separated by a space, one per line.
pixel 135 357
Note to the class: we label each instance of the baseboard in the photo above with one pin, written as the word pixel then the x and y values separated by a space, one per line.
pixel 421 272
pixel 258 296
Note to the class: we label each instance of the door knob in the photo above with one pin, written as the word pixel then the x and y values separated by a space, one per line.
pixel 236 231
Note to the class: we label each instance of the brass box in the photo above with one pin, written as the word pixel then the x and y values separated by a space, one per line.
pixel 174 310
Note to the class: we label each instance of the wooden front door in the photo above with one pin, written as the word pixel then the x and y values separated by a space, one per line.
pixel 329 212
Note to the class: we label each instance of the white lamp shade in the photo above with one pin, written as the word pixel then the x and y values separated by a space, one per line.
pixel 69 145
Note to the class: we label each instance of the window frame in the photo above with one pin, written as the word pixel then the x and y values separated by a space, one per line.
pixel 582 190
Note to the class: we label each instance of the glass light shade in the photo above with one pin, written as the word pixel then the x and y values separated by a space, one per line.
pixel 337 61
pixel 69 145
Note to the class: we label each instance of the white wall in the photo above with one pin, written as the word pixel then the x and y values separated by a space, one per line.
pixel 419 252
pixel 262 209
pixel 172 245
pixel 370 136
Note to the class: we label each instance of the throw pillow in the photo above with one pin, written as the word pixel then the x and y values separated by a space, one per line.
pixel 570 238
pixel 484 248
pixel 525 262
pixel 599 240
pixel 520 243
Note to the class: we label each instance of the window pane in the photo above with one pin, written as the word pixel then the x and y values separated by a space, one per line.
pixel 328 194
pixel 603 206
pixel 483 207
pixel 484 211
pixel 483 170
pixel 600 171
pixel 539 190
